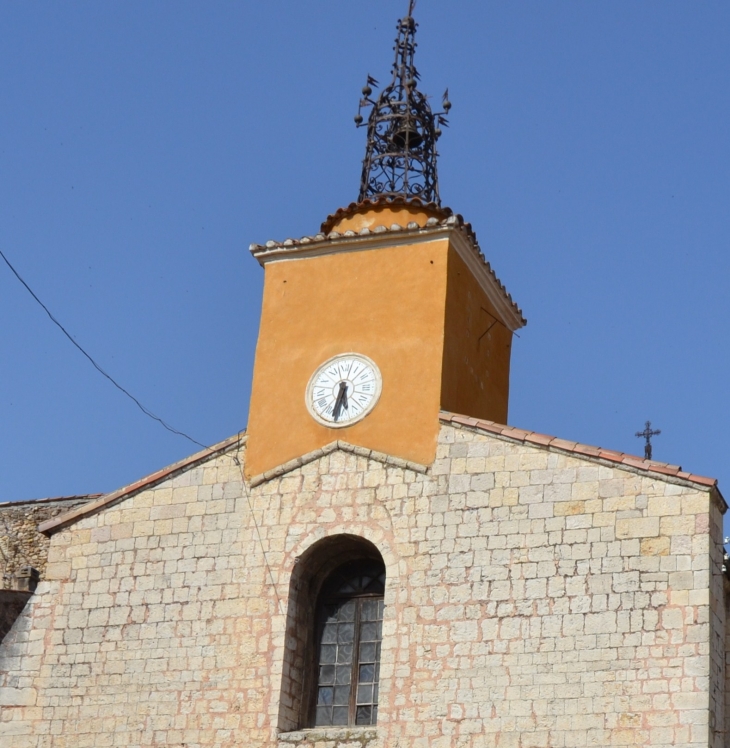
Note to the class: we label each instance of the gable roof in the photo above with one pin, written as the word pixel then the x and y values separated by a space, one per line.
pixel 620 459
pixel 662 469
pixel 59 523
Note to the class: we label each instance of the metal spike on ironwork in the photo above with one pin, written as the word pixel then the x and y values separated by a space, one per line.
pixel 400 158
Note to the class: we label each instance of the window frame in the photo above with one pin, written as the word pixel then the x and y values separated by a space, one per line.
pixel 322 601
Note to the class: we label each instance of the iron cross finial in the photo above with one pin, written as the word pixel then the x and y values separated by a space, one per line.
pixel 647 433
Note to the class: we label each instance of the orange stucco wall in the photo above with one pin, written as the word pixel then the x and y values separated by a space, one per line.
pixel 387 304
pixel 475 379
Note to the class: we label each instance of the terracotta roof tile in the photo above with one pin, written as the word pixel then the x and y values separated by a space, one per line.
pixel 672 470
pixel 587 450
pixel 262 251
pixel 466 420
pixel 381 202
pixel 610 454
pixel 564 444
pixel 584 450
pixel 634 461
pixel 703 479
pixel 58 523
pixel 514 433
pixel 539 438
pixel 51 500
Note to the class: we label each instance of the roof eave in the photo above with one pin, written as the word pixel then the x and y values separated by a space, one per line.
pixel 464 242
pixel 54 525
pixel 662 470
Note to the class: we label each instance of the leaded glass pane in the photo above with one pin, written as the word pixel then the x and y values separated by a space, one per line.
pixel 370 610
pixel 343 676
pixel 368 666
pixel 342 695
pixel 349 646
pixel 328 653
pixel 370 632
pixel 340 715
pixel 329 634
pixel 344 654
pixel 368 652
pixel 347 611
pixel 345 633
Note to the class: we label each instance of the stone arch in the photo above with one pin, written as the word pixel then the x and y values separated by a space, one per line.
pixel 310 571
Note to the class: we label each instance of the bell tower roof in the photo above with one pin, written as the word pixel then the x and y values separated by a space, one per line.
pixel 400 156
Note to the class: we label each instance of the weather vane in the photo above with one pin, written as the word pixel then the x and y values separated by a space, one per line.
pixel 400 159
pixel 647 433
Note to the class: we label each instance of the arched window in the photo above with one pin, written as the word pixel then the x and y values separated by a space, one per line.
pixel 319 663
pixel 348 638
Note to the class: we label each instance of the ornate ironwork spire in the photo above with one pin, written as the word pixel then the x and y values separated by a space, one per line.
pixel 400 160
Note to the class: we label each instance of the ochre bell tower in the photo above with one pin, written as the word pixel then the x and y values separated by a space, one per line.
pixel 387 316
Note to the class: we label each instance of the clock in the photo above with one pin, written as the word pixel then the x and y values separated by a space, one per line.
pixel 343 390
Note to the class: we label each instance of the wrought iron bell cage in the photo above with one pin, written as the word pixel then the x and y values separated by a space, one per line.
pixel 400 158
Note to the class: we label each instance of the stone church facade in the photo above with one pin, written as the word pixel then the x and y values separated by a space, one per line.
pixel 536 596
pixel 378 561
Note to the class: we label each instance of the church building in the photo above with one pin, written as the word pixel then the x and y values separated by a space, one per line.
pixel 379 561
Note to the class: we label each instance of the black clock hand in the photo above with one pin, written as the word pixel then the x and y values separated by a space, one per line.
pixel 341 401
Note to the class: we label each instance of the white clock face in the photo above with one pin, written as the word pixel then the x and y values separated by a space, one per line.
pixel 343 390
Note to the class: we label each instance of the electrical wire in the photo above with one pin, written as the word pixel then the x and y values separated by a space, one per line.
pixel 282 609
pixel 159 420
pixel 145 410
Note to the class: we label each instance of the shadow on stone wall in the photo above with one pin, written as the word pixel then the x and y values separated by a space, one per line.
pixel 21 545
pixel 12 603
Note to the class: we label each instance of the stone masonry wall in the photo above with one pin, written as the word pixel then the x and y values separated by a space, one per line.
pixel 726 725
pixel 533 599
pixel 20 542
pixel 718 626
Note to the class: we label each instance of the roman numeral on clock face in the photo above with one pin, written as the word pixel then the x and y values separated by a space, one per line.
pixel 343 390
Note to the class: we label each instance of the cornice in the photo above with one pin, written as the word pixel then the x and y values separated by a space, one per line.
pixel 452 228
pixel 51 526
pixel 334 446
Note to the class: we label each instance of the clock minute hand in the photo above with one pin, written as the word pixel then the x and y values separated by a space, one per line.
pixel 341 401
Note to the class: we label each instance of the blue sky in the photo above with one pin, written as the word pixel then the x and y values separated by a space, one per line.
pixel 144 145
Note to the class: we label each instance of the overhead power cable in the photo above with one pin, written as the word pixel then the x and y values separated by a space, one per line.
pixel 159 420
pixel 145 410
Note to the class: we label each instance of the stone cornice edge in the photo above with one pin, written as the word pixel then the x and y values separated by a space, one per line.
pixel 64 520
pixel 334 446
pixel 609 457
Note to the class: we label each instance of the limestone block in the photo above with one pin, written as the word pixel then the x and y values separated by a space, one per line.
pixel 17 696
